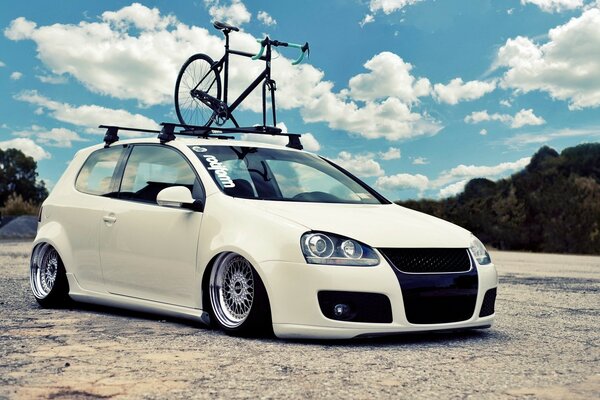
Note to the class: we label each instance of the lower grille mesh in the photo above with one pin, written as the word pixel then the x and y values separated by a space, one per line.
pixel 429 260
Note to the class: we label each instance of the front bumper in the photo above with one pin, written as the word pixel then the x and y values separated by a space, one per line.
pixel 293 293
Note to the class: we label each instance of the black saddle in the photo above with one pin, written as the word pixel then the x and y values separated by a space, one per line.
pixel 222 26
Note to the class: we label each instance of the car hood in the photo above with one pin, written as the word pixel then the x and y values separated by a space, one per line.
pixel 386 225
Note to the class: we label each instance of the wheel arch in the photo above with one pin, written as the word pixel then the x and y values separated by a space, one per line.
pixel 209 266
pixel 54 234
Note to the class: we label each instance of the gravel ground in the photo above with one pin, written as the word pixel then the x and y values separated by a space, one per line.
pixel 544 345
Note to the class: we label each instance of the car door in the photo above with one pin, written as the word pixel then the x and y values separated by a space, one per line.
pixel 80 212
pixel 148 251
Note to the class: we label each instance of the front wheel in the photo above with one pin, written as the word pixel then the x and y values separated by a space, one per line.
pixel 238 298
pixel 198 92
pixel 48 277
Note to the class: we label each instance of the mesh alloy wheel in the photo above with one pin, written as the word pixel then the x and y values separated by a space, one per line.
pixel 232 290
pixel 48 276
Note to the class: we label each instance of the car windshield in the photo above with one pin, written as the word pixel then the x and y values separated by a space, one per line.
pixel 283 175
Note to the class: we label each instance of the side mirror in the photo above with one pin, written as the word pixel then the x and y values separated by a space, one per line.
pixel 178 197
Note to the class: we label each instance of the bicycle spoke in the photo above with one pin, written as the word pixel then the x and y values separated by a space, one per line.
pixel 198 90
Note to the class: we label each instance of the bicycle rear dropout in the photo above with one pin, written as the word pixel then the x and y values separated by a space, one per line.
pixel 201 99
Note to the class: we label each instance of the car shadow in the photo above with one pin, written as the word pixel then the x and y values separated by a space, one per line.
pixel 412 338
pixel 446 338
pixel 139 315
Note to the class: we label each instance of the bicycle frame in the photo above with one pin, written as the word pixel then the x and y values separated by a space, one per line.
pixel 265 77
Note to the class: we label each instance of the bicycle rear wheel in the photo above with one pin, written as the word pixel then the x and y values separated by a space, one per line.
pixel 197 76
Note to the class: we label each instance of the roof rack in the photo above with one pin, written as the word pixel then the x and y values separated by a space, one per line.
pixel 167 133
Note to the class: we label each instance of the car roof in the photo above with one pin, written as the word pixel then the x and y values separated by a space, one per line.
pixel 212 141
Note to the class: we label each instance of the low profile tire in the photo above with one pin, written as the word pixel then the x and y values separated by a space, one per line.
pixel 238 299
pixel 48 277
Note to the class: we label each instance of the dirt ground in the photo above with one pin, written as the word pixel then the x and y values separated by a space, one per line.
pixel 544 345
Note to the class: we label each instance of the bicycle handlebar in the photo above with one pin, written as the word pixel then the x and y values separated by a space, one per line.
pixel 263 44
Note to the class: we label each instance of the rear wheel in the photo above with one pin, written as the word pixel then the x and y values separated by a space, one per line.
pixel 238 298
pixel 48 277
pixel 198 92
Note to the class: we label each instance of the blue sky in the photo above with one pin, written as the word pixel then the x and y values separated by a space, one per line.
pixel 414 96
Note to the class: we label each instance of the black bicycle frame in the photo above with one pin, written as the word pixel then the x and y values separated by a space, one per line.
pixel 264 77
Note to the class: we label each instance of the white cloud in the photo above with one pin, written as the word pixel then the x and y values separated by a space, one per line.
pixel 266 19
pixel 449 182
pixel 392 153
pixel 481 116
pixel 457 90
pixel 389 76
pixel 510 11
pixel 98 51
pixel 367 20
pixel 483 132
pixel 390 6
pixel 505 103
pixel 524 139
pixel 88 116
pixel 235 13
pixel 361 165
pixel 55 137
pixel 403 181
pixel 390 119
pixel 462 171
pixel 27 146
pixel 139 16
pixel 308 140
pixel 453 189
pixel 526 117
pixel 2 64
pixel 567 66
pixel 52 79
pixel 520 119
pixel 155 50
pixel 555 5
pixel 420 161
pixel 19 29
pixel 15 76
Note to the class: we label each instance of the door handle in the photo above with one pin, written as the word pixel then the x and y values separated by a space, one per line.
pixel 109 219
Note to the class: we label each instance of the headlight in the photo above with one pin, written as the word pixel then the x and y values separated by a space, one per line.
pixel 330 249
pixel 479 252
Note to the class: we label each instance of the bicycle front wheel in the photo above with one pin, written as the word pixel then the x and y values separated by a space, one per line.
pixel 197 91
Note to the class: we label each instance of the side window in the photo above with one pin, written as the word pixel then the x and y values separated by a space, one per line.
pixel 151 169
pixel 96 174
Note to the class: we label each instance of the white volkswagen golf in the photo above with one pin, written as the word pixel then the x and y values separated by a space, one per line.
pixel 252 238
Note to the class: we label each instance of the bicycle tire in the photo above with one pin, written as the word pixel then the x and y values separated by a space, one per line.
pixel 191 111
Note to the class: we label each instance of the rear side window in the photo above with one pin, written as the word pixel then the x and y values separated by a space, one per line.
pixel 151 169
pixel 97 172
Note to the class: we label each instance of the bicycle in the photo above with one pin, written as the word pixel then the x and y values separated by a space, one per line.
pixel 198 87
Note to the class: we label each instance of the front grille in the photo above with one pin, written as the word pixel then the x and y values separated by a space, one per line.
pixel 487 307
pixel 421 261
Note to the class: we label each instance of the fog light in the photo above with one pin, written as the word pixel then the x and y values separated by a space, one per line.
pixel 341 310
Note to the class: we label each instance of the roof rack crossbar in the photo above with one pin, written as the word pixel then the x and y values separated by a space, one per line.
pixel 112 131
pixel 167 132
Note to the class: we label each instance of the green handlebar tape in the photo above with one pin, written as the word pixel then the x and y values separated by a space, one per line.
pixel 294 45
pixel 260 53
pixel 299 59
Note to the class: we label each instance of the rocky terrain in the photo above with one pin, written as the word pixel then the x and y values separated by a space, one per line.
pixel 544 345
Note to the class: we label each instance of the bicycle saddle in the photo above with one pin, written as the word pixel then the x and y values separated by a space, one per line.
pixel 222 26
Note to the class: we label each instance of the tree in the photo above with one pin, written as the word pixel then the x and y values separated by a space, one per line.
pixel 18 176
pixel 553 205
